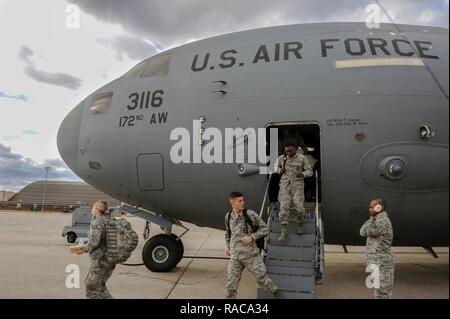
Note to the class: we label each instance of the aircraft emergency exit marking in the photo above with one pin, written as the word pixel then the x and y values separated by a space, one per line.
pixel 292 50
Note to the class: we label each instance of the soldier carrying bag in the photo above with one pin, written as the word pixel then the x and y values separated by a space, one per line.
pixel 121 240
pixel 259 242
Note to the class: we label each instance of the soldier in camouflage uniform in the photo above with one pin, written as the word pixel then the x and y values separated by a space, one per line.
pixel 288 135
pixel 293 168
pixel 100 270
pixel 242 248
pixel 378 230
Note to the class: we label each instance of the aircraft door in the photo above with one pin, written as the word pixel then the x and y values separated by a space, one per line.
pixel 150 171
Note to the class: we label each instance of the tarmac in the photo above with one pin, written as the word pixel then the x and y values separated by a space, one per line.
pixel 35 257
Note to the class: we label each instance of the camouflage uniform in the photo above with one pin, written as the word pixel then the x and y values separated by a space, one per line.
pixel 100 270
pixel 378 251
pixel 292 188
pixel 245 256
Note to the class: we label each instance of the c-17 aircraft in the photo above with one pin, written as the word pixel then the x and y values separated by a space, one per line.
pixel 371 104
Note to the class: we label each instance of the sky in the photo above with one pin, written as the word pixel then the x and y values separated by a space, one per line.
pixel 56 52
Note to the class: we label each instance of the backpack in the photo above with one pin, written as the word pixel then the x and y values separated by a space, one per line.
pixel 121 240
pixel 259 242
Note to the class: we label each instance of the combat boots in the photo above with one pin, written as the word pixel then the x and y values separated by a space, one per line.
pixel 284 233
pixel 299 230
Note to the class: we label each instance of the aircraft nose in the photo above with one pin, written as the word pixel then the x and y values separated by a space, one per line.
pixel 68 135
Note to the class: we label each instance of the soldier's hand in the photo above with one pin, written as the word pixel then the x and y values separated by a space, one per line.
pixel 300 175
pixel 246 240
pixel 227 252
pixel 76 250
pixel 282 171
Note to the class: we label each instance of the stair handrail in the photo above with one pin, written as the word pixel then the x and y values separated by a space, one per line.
pixel 319 227
pixel 317 211
pixel 265 199
pixel 317 218
pixel 265 206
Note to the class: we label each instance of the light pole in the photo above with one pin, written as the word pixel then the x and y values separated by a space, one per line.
pixel 47 168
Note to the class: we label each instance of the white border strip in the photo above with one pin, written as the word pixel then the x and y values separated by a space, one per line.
pixel 360 63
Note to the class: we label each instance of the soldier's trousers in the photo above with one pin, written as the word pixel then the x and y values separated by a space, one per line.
pixel 99 272
pixel 386 282
pixel 292 196
pixel 254 265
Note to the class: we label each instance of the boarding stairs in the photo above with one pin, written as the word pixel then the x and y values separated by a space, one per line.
pixel 297 265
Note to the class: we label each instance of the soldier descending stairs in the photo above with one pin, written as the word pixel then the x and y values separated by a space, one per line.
pixel 297 264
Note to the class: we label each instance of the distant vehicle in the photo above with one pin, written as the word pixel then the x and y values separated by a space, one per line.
pixel 69 209
pixel 81 221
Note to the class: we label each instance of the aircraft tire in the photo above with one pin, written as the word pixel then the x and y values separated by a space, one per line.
pixel 71 237
pixel 180 244
pixel 161 253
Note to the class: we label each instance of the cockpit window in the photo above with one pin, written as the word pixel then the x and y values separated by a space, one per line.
pixel 134 72
pixel 100 103
pixel 158 65
pixel 155 66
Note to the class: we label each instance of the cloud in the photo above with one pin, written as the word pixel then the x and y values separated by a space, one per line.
pixel 57 163
pixel 21 97
pixel 176 22
pixel 130 46
pixel 25 53
pixel 60 79
pixel 103 73
pixel 17 171
pixel 9 138
pixel 30 132
pixel 418 12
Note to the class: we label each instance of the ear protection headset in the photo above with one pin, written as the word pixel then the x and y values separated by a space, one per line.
pixel 380 207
